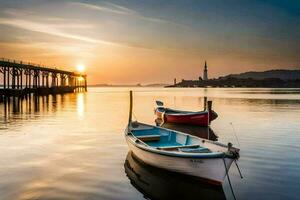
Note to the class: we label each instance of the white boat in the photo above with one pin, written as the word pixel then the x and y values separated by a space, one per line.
pixel 179 152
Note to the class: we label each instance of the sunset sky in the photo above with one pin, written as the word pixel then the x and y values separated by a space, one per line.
pixel 152 41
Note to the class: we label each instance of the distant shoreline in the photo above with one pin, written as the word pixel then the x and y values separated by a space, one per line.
pixel 125 85
pixel 266 79
pixel 170 87
pixel 238 83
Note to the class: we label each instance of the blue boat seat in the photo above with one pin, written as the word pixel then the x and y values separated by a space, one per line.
pixel 147 138
pixel 176 147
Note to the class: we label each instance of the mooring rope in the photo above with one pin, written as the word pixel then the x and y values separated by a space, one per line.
pixel 238 169
pixel 134 116
pixel 236 137
pixel 228 178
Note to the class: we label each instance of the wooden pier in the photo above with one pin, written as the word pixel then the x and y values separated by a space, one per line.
pixel 20 78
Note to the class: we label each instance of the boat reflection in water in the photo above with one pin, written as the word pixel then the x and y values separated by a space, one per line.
pixel 202 132
pixel 156 183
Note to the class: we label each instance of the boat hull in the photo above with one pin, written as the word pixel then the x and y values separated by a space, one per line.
pixel 156 183
pixel 198 119
pixel 211 170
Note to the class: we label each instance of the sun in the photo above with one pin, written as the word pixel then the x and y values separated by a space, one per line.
pixel 80 68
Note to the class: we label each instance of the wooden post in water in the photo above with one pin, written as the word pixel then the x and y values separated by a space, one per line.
pixel 205 103
pixel 130 108
pixel 209 105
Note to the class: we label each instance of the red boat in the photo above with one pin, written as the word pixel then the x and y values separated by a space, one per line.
pixel 200 118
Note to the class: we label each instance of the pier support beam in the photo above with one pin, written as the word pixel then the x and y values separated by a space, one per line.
pixel 85 83
pixel 4 77
pixel 21 78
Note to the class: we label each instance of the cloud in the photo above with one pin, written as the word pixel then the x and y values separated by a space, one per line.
pixel 121 10
pixel 63 27
pixel 51 48
pixel 56 31
pixel 55 26
pixel 53 21
pixel 49 29
pixel 114 8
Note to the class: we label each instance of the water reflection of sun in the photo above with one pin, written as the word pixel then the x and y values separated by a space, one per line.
pixel 80 105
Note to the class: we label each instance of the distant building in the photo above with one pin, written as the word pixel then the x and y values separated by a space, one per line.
pixel 193 83
pixel 205 76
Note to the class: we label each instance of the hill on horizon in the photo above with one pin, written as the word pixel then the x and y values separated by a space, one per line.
pixel 278 73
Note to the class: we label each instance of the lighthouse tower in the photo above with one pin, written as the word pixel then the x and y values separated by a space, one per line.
pixel 205 76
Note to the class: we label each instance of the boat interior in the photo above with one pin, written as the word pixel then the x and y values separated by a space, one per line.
pixel 168 140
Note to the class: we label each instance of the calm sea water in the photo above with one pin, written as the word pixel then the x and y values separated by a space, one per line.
pixel 72 146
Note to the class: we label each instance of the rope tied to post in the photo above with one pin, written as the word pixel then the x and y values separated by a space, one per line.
pixel 228 178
